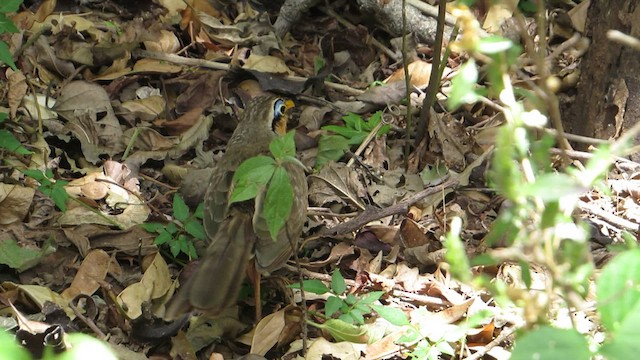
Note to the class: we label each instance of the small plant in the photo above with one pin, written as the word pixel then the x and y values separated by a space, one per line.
pixel 7 26
pixel 8 141
pixel 267 172
pixel 179 234
pixel 356 129
pixel 50 187
pixel 345 312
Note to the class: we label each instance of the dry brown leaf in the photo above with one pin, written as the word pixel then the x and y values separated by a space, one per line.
pixel 94 268
pixel 267 332
pixel 155 283
pixel 15 202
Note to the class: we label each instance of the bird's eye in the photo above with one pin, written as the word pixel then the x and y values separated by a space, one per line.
pixel 279 108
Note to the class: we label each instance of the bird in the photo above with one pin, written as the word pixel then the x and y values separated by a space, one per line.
pixel 238 232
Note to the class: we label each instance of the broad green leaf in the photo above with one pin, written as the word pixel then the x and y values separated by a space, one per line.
pixel 552 187
pixel 180 209
pixel 199 211
pixel 86 347
pixel 393 315
pixel 350 299
pixel 331 148
pixel 174 246
pixel 5 56
pixel 253 174
pixel 22 258
pixel 623 342
pixel 332 305
pixel 3 117
pixel 463 84
pixel 195 229
pixel 11 349
pixel 6 25
pixel 9 6
pixel 551 343
pixel 372 297
pixel 152 227
pixel 8 141
pixel 163 238
pixel 494 44
pixel 313 286
pixel 357 315
pixel 278 201
pixel 171 228
pixel 37 175
pixel 618 289
pixel 338 284
pixel 59 195
pixel 283 146
pixel 342 331
pixel 347 132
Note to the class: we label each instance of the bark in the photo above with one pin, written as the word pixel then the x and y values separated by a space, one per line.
pixel 608 93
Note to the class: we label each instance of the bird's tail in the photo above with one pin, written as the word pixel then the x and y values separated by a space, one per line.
pixel 216 284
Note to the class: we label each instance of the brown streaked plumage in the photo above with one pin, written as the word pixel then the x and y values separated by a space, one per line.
pixel 238 231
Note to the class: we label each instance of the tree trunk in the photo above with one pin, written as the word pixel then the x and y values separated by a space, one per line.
pixel 608 93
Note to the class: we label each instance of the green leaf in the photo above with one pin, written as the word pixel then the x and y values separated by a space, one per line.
pixel 331 148
pixel 552 187
pixel 22 258
pixel 37 175
pixel 350 299
pixel 338 284
pixel 456 256
pixel 278 201
pixel 174 246
pixel 84 346
pixel 313 286
pixel 9 6
pixel 253 174
pixel 551 343
pixel 623 342
pixel 11 349
pixel 618 289
pixel 5 56
pixel 346 132
pixel 195 229
pixel 463 84
pixel 372 297
pixel 171 228
pixel 152 227
pixel 8 141
pixel 332 305
pixel 357 315
pixel 199 213
pixel 180 209
pixel 494 44
pixel 164 237
pixel 59 195
pixel 6 25
pixel 393 315
pixel 283 146
pixel 342 331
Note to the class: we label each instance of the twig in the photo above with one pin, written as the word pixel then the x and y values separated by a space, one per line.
pixel 88 322
pixel 181 60
pixel 372 214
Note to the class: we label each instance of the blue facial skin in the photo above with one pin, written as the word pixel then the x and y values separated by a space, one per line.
pixel 279 108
